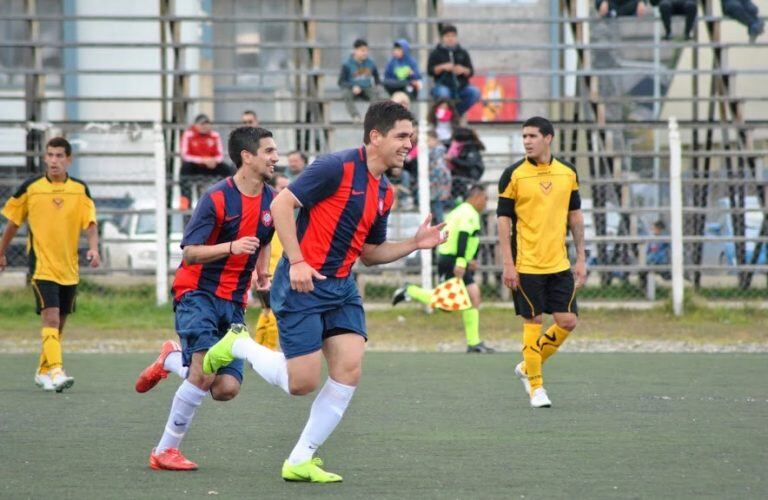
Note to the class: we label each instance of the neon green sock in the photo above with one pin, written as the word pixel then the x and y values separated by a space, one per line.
pixel 419 294
pixel 471 318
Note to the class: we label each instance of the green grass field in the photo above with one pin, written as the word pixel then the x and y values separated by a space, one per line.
pixel 420 426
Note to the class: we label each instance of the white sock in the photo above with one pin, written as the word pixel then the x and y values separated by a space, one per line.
pixel 185 402
pixel 175 364
pixel 326 413
pixel 271 365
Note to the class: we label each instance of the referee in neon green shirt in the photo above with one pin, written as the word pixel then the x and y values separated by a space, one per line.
pixel 456 258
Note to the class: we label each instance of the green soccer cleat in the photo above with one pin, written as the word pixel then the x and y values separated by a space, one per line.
pixel 309 472
pixel 221 353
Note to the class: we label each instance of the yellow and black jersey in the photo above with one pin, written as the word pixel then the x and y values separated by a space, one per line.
pixel 538 197
pixel 56 213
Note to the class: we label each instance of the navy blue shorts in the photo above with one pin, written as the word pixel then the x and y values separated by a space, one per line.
pixel 304 320
pixel 202 319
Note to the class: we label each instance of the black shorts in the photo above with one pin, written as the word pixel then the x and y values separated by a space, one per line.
pixel 545 293
pixel 445 265
pixel 51 294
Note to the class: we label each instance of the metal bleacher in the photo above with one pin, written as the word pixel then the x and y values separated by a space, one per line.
pixel 610 87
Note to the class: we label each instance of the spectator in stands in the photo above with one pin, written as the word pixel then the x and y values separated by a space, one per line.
pixel 443 118
pixel 402 99
pixel 250 118
pixel 402 71
pixel 465 160
pixel 359 78
pixel 746 13
pixel 401 181
pixel 669 8
pixel 297 162
pixel 201 155
pixel 451 67
pixel 440 199
pixel 615 8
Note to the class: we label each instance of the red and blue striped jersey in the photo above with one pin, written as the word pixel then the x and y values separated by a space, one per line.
pixel 343 207
pixel 224 214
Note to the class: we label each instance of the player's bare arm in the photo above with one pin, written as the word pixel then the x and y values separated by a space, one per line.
pixel 262 279
pixel 10 231
pixel 576 223
pixel 92 234
pixel 202 254
pixel 301 273
pixel 509 274
pixel 427 236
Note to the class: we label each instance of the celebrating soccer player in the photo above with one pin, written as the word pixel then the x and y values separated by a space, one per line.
pixel 344 200
pixel 57 207
pixel 538 201
pixel 227 237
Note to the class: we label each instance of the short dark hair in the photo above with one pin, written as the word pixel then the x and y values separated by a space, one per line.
pixel 273 180
pixel 544 125
pixel 245 138
pixel 250 112
pixel 360 42
pixel 300 153
pixel 448 28
pixel 60 142
pixel 474 190
pixel 202 118
pixel 659 224
pixel 382 116
pixel 431 133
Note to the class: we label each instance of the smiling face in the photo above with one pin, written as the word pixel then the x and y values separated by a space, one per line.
pixel 536 144
pixel 262 164
pixel 56 162
pixel 393 146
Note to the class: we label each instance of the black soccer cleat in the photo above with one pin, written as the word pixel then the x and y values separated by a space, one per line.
pixel 400 295
pixel 480 348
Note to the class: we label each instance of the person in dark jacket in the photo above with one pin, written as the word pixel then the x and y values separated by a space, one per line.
pixel 402 71
pixel 669 8
pixel 359 78
pixel 746 13
pixel 465 159
pixel 451 67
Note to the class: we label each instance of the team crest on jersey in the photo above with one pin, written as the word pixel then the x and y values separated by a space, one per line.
pixel 546 187
pixel 58 202
pixel 266 218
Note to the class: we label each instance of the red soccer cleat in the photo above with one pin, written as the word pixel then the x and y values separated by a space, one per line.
pixel 170 459
pixel 155 372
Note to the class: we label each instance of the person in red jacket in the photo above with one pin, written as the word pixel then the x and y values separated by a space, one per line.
pixel 201 155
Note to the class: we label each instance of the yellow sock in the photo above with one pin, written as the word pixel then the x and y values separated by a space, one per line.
pixel 42 367
pixel 51 347
pixel 552 339
pixel 532 354
pixel 270 335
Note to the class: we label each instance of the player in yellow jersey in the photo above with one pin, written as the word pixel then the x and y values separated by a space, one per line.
pixel 266 328
pixel 57 208
pixel 538 201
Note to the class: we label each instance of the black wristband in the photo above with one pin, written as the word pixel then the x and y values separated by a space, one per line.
pixel 230 247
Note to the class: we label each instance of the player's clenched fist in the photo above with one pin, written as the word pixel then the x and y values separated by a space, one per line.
pixel 246 244
pixel 301 275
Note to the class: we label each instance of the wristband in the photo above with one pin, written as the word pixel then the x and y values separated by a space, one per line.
pixel 230 247
pixel 294 262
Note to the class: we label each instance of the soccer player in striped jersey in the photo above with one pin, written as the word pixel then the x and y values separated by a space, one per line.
pixel 344 200
pixel 226 239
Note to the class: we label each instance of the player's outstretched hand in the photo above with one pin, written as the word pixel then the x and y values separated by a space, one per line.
pixel 301 275
pixel 93 257
pixel 246 244
pixel 430 236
